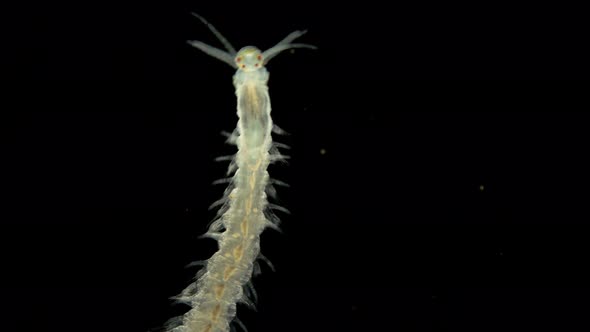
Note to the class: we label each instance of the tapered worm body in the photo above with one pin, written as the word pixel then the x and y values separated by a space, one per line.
pixel 225 278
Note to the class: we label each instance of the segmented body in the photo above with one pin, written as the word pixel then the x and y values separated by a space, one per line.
pixel 224 281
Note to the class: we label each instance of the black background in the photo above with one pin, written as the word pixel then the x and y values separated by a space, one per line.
pixel 438 179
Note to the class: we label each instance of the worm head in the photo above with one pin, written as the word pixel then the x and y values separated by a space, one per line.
pixel 249 59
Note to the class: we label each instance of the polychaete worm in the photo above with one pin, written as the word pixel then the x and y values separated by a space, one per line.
pixel 225 278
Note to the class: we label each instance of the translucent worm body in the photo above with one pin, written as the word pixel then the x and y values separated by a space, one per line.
pixel 225 278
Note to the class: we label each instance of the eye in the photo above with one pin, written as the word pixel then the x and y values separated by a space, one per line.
pixel 259 57
pixel 238 59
